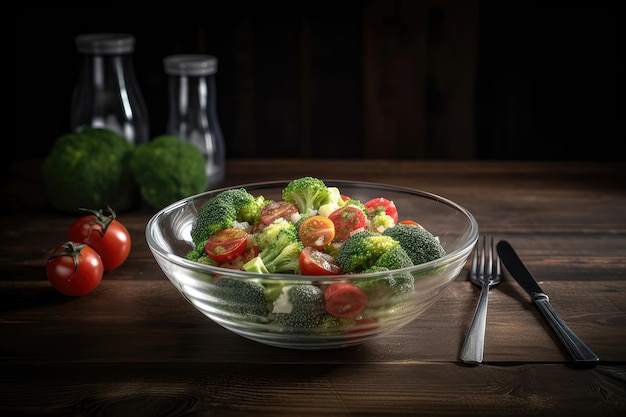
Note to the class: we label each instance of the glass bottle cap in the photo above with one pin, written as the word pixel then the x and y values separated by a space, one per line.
pixel 105 43
pixel 190 64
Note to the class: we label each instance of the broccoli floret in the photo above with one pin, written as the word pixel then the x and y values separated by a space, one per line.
pixel 383 292
pixel 247 206
pixel 223 210
pixel 282 256
pixel 269 235
pixel 90 169
pixel 363 249
pixel 308 193
pixel 213 216
pixel 242 297
pixel 279 249
pixel 288 260
pixel 168 169
pixel 421 245
pixel 299 306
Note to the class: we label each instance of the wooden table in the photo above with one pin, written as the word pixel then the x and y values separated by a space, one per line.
pixel 134 347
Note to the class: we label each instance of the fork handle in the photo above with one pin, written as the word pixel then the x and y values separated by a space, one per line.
pixel 473 347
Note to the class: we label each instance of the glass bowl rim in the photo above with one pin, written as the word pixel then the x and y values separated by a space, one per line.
pixel 447 259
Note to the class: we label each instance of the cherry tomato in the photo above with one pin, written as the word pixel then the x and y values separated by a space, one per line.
pixel 347 220
pixel 409 222
pixel 376 205
pixel 74 269
pixel 315 262
pixel 250 252
pixel 105 234
pixel 316 231
pixel 226 245
pixel 344 300
pixel 278 209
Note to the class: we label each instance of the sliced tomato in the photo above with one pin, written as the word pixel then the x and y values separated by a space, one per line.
pixel 344 300
pixel 347 220
pixel 278 209
pixel 409 222
pixel 250 252
pixel 315 262
pixel 316 231
pixel 380 204
pixel 226 245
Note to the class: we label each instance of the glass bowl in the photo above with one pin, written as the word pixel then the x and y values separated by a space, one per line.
pixel 168 235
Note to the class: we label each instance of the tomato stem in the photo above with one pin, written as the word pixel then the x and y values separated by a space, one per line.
pixel 103 220
pixel 70 249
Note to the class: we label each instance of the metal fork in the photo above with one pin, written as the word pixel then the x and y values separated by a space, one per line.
pixel 486 271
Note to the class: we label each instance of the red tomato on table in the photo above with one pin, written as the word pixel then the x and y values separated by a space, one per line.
pixel 105 234
pixel 74 269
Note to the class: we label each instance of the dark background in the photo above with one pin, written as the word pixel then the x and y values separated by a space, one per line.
pixel 355 79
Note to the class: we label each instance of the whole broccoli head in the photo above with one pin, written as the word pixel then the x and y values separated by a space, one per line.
pixel 421 245
pixel 90 169
pixel 365 249
pixel 168 169
pixel 308 193
pixel 300 306
pixel 221 212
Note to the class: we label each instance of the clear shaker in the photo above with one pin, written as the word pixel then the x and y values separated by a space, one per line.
pixel 107 94
pixel 193 108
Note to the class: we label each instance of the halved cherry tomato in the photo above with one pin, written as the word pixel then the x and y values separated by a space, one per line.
pixel 74 269
pixel 315 262
pixel 316 231
pixel 376 205
pixel 226 245
pixel 250 252
pixel 409 222
pixel 344 300
pixel 278 209
pixel 347 220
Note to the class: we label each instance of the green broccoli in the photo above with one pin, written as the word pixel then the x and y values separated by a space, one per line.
pixel 168 169
pixel 421 245
pixel 308 193
pixel 381 222
pixel 279 248
pixel 242 297
pixel 300 306
pixel 223 210
pixel 90 169
pixel 268 236
pixel 364 249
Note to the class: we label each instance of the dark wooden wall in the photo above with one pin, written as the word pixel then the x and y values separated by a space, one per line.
pixel 439 79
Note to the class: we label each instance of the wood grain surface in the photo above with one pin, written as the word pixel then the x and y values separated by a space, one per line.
pixel 135 347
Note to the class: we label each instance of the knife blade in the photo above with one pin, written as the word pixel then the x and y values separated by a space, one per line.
pixel 580 353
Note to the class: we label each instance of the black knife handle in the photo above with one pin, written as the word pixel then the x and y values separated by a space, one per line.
pixel 578 350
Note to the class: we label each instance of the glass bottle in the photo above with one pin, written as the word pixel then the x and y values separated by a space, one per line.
pixel 192 116
pixel 107 94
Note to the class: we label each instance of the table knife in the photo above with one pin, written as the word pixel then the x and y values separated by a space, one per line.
pixel 580 353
